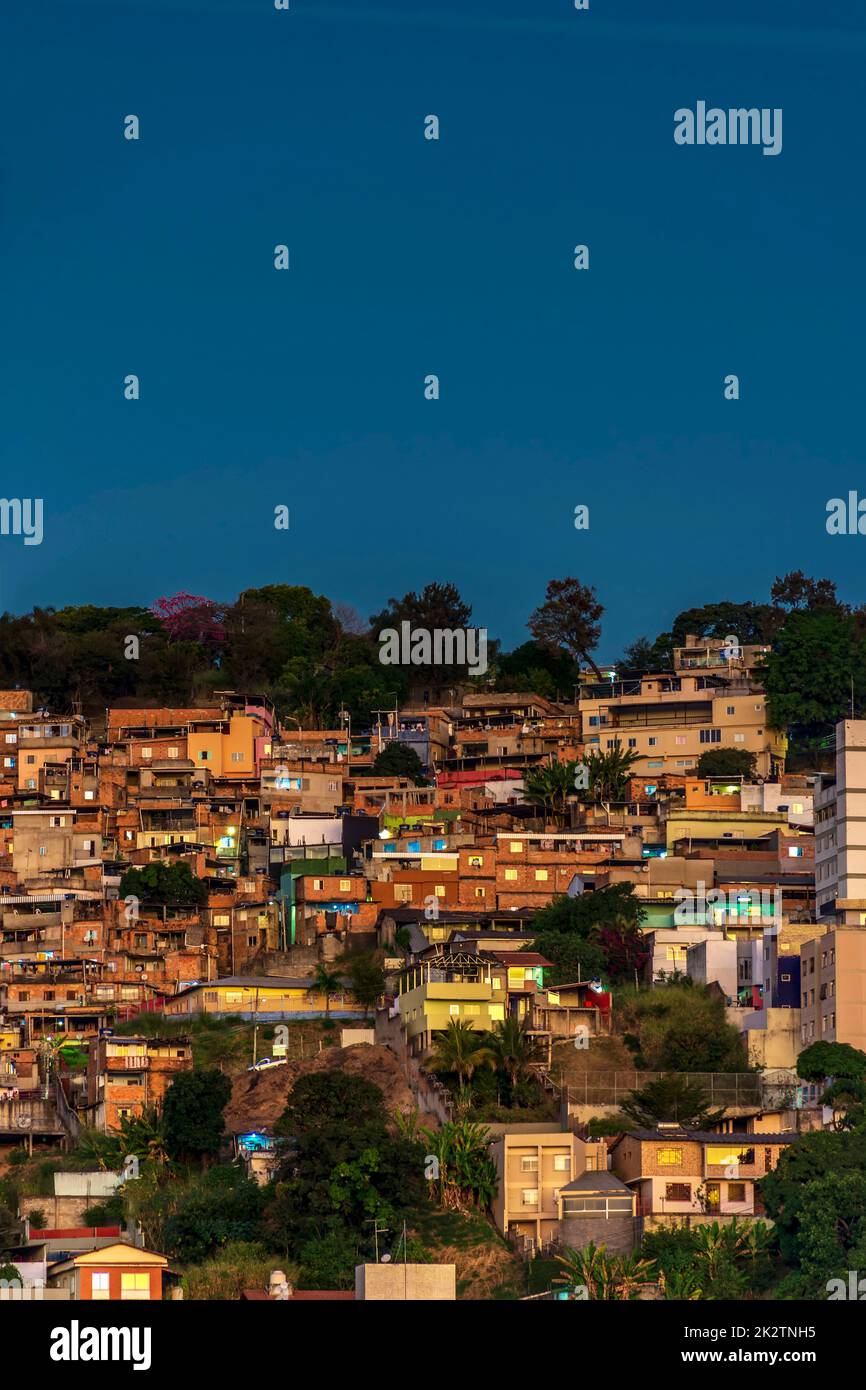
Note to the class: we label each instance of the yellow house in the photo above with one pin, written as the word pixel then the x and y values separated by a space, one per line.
pixel 121 1273
pixel 456 985
pixel 254 996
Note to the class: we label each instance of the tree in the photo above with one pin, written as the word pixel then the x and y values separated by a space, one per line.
pixel 726 762
pixel 818 663
pixel 324 1099
pixel 514 1049
pixel 399 760
pixel 839 1060
pixel 366 977
pixel 810 1165
pixel 671 1098
pixel 572 957
pixel 437 607
pixel 461 1050
pixel 467 1174
pixel 795 590
pixel 569 620
pixel 326 982
pixel 587 913
pixel 536 668
pixel 339 1162
pixel 651 657
pixel 551 784
pixel 193 1113
pixel 625 952
pixel 602 1276
pixel 609 772
pixel 750 622
pixel 164 885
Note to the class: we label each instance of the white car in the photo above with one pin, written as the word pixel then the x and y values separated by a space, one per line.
pixel 264 1063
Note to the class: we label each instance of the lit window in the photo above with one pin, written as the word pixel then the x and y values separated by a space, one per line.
pixel 670 1158
pixel 135 1286
pixel 99 1284
pixel 529 1196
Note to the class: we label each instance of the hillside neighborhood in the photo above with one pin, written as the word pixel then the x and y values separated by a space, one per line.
pixel 325 977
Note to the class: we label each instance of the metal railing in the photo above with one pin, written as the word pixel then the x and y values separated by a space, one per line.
pixel 609 1088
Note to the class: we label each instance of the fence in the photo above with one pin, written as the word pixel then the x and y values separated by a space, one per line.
pixel 609 1088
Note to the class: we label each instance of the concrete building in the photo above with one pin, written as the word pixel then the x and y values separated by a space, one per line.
pixel 670 720
pixel 840 830
pixel 534 1162
pixel 833 988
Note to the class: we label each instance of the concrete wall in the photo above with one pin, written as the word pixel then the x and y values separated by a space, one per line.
pixel 617 1233
pixel 394 1283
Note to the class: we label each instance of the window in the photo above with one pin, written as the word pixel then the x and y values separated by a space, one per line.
pixel 516 846
pixel 529 1164
pixel 678 1192
pixel 652 742
pixel 670 1158
pixel 475 861
pixel 134 1286
pixel 99 1284
pixel 529 1196
pixel 739 738
pixel 511 875
pixel 479 892
pixel 238 757
pixel 318 884
pixel 632 743
pixel 561 1163
pixel 204 756
pixel 147 752
pixel 736 1192
pixel 345 885
pixel 174 752
pixel 541 875
pixel 454 1010
pixel 679 740
pixel 710 735
pixel 439 890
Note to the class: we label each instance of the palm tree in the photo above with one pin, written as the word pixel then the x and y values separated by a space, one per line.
pixel 459 1048
pixel 514 1049
pixel 551 784
pixel 609 772
pixel 326 982
pixel 617 1277
pixel 680 1286
pixel 467 1173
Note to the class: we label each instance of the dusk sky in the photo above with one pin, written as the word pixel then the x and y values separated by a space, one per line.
pixel 409 257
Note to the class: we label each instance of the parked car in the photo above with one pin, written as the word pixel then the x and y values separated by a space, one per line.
pixel 265 1062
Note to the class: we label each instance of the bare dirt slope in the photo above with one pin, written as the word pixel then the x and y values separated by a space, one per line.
pixel 259 1098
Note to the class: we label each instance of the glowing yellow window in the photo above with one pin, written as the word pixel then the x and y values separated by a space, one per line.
pixel 511 875
pixel 439 890
pixel 135 1286
pixel 516 846
pixel 670 1158
pixel 99 1284
pixel 541 875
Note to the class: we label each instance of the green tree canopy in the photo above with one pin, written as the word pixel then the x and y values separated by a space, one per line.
pixel 193 1113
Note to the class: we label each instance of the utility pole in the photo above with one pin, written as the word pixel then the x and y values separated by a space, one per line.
pixel 255 1023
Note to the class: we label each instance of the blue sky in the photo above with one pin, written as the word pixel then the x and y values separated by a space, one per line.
pixel 411 257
